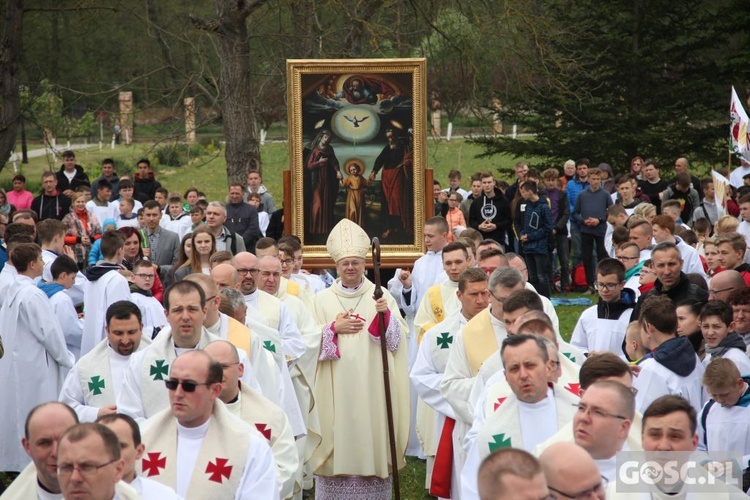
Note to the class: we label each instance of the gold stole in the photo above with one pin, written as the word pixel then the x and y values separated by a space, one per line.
pixel 239 335
pixel 218 469
pixel 293 288
pixel 435 296
pixel 479 340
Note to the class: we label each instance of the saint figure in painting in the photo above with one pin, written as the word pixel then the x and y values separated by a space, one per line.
pixel 355 185
pixel 396 161
pixel 324 174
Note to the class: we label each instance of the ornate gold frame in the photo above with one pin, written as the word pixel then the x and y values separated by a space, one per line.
pixel 316 255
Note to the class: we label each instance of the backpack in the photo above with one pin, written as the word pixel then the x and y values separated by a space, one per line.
pixel 579 278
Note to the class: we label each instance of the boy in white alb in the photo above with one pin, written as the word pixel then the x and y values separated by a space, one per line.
pixel 64 270
pixel 154 319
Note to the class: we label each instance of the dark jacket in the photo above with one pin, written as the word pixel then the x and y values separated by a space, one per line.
pixel 79 179
pixel 51 207
pixel 145 189
pixel 501 219
pixel 683 291
pixel 560 208
pixel 537 226
pixel 276 225
pixel 613 310
pixel 115 181
pixel 243 220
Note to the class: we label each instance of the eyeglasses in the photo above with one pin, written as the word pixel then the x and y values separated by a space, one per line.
pixel 715 292
pixel 85 470
pixel 606 286
pixel 145 276
pixel 582 495
pixel 248 271
pixel 626 258
pixel 597 412
pixel 502 301
pixel 287 262
pixel 186 386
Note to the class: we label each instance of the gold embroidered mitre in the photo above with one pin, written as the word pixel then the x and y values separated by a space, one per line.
pixel 347 239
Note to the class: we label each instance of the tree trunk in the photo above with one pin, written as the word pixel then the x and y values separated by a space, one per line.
pixel 10 53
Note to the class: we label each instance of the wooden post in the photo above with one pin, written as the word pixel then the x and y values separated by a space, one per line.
pixel 287 201
pixel 190 135
pixel 126 116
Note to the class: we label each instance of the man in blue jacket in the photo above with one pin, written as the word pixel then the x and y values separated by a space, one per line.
pixel 534 239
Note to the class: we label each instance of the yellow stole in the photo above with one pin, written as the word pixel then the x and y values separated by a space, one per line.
pixel 239 335
pixel 293 288
pixel 435 296
pixel 479 340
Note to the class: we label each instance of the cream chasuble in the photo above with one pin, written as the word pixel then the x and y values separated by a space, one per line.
pixel 350 382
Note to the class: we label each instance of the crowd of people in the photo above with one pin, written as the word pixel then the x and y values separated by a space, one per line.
pixel 169 346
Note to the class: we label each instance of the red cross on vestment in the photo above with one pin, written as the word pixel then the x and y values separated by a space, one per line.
pixel 263 429
pixel 574 389
pixel 219 470
pixel 153 463
pixel 499 402
pixel 357 316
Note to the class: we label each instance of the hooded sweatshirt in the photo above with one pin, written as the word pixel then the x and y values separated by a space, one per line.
pixel 95 272
pixel 501 216
pixel 80 178
pixel 51 207
pixel 145 188
pixel 672 368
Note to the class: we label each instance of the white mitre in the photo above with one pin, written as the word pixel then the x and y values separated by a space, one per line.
pixel 347 239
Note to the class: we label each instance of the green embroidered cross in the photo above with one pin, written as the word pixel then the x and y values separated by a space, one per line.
pixel 159 369
pixel 444 340
pixel 269 345
pixel 499 441
pixel 569 356
pixel 96 385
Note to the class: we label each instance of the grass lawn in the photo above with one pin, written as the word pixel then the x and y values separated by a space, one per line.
pixel 208 173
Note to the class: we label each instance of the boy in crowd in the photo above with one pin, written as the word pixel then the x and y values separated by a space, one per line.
pixel 716 324
pixel 197 216
pixel 64 271
pixel 255 200
pixel 152 311
pixel 590 213
pixel 176 219
pixel 100 206
pixel 560 209
pixel 454 184
pixel 162 197
pixel 534 238
pixel 127 193
pixel 634 349
pixel 732 248
pixel 708 208
pixel 127 217
pixel 602 327
pixel 673 209
pixel 626 194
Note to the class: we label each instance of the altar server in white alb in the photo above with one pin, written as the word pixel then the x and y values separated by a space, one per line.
pixel 51 234
pixel 131 451
pixel 349 379
pixel 143 394
pixel 152 311
pixel 724 422
pixel 93 385
pixel 435 416
pixel 441 300
pixel 32 369
pixel 197 447
pixel 532 413
pixel 64 271
pixel 105 287
pixel 673 368
pixel 268 419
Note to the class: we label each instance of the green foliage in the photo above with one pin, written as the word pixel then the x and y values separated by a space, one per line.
pixel 179 154
pixel 632 77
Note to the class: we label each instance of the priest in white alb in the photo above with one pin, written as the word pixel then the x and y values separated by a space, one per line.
pixel 93 385
pixel 353 459
pixel 197 447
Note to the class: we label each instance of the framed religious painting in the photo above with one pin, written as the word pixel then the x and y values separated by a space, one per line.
pixel 357 150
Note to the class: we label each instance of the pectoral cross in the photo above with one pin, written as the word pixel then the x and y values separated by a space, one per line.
pixel 356 316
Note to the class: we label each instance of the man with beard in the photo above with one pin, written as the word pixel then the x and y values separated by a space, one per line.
pixel 93 385
pixel 396 162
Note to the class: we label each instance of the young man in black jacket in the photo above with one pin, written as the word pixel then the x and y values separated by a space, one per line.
pixel 560 207
pixel 490 212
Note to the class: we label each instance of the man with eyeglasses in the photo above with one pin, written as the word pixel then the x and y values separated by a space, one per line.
pixel 219 455
pixel 512 474
pixel 142 394
pixel 435 417
pixel 570 472
pixel 602 327
pixel 629 254
pixel 529 413
pixel 740 302
pixel 95 381
pixel 255 409
pixel 141 282
pixel 89 464
pixel 273 312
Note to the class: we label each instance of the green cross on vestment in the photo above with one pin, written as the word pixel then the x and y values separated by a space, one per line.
pixel 96 385
pixel 499 441
pixel 159 369
pixel 269 345
pixel 444 340
pixel 569 356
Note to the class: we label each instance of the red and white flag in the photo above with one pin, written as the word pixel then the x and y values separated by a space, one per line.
pixel 738 130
